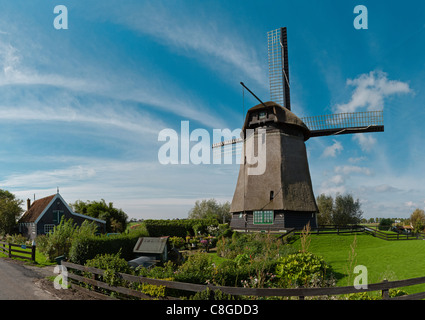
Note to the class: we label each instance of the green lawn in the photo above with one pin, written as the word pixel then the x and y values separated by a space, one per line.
pixel 40 259
pixel 393 260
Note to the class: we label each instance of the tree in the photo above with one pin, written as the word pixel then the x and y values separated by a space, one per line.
pixel 325 205
pixel 211 209
pixel 385 223
pixel 10 210
pixel 417 219
pixel 346 210
pixel 116 219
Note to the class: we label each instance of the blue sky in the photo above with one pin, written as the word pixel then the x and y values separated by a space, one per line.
pixel 82 108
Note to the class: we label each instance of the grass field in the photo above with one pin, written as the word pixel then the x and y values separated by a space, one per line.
pixel 391 260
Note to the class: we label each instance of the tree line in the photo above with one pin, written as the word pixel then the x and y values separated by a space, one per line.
pixel 342 210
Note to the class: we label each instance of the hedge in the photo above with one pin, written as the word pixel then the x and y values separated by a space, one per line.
pixel 86 248
pixel 177 228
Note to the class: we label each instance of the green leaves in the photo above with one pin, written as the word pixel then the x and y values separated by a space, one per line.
pixel 10 210
pixel 343 211
pixel 116 219
pixel 301 269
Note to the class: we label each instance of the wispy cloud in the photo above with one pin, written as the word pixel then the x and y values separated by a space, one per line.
pixel 366 142
pixel 347 169
pixel 371 89
pixel 333 150
pixel 16 72
pixel 197 34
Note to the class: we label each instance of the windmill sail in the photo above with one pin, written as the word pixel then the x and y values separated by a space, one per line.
pixel 278 67
pixel 345 123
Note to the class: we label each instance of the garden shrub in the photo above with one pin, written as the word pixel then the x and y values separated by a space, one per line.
pixel 209 294
pixel 112 264
pixel 256 246
pixel 302 269
pixel 60 240
pixel 177 242
pixel 197 269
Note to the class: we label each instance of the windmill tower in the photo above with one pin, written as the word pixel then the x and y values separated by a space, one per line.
pixel 280 195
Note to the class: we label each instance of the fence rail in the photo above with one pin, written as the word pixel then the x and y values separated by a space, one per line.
pixel 395 236
pixel 384 287
pixel 8 249
pixel 335 229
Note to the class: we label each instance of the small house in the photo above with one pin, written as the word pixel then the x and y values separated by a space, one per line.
pixel 44 214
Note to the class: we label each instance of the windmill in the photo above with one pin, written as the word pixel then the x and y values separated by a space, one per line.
pixel 280 196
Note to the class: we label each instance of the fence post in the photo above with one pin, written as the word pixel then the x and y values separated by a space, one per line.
pixel 33 253
pixel 385 292
pixel 10 250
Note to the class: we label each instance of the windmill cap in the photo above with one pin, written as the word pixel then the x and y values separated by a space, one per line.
pixel 274 113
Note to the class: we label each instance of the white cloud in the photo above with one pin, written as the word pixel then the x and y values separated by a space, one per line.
pixel 356 160
pixel 337 179
pixel 333 150
pixel 337 183
pixel 370 91
pixel 126 119
pixel 353 169
pixel 366 142
pixel 410 204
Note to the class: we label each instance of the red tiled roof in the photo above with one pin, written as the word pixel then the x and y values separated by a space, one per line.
pixel 36 209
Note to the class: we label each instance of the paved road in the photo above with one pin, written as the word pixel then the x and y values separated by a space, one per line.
pixel 18 282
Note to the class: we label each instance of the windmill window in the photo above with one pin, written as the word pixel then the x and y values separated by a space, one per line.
pixel 263 217
pixel 271 195
pixel 262 115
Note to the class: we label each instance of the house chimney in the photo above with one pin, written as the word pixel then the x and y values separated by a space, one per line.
pixel 28 203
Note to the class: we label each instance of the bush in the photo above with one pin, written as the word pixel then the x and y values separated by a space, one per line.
pixel 197 269
pixel 256 246
pixel 112 263
pixel 302 269
pixel 59 241
pixel 209 294
pixel 177 242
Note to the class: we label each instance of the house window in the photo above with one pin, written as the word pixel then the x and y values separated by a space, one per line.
pixel 48 228
pixel 263 217
pixel 57 215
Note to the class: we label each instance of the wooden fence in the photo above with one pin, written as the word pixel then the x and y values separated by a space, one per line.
pixel 335 229
pixel 301 293
pixel 393 236
pixel 8 249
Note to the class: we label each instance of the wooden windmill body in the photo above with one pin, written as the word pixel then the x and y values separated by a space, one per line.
pixel 281 196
